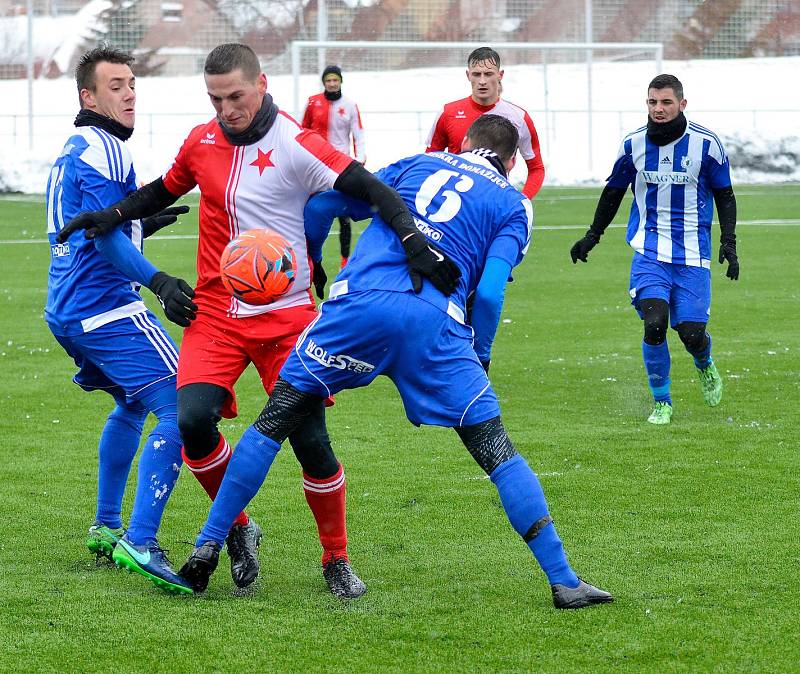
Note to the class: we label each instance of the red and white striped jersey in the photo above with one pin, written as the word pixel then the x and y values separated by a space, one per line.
pixel 453 122
pixel 336 121
pixel 244 187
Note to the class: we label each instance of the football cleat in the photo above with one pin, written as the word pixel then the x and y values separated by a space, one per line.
pixel 101 539
pixel 201 564
pixel 243 542
pixel 342 580
pixel 711 384
pixel 579 597
pixel 150 561
pixel 661 414
pixel 344 262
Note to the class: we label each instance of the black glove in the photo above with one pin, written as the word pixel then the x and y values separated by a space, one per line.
pixel 485 364
pixel 175 296
pixel 581 248
pixel 94 222
pixel 160 220
pixel 319 278
pixel 727 251
pixel 426 260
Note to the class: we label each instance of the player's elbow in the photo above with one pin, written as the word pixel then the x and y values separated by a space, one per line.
pixel 488 300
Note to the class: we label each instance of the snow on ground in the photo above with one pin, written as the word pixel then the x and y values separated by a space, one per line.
pixel 750 103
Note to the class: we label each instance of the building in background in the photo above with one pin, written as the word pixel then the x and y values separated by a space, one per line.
pixel 172 37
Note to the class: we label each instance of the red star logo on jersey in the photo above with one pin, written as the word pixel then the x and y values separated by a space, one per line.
pixel 263 161
pixel 341 112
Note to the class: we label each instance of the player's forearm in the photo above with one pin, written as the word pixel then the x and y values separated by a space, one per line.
pixel 725 201
pixel 145 201
pixel 355 181
pixel 607 207
pixel 535 178
pixel 119 250
pixel 488 305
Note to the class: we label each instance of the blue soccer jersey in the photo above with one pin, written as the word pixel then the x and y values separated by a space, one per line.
pixel 374 324
pixel 673 205
pixel 85 290
pixel 459 202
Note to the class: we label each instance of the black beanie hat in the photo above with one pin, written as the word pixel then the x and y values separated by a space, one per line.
pixel 332 70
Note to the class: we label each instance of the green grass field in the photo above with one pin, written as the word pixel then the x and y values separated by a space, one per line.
pixel 693 526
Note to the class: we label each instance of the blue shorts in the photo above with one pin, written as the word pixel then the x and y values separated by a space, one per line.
pixel 426 353
pixel 125 356
pixel 686 289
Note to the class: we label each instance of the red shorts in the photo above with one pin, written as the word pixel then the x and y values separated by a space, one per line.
pixel 217 350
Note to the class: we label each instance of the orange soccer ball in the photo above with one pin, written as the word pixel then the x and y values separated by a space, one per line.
pixel 258 266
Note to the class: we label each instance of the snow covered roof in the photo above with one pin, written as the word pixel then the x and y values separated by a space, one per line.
pixel 55 39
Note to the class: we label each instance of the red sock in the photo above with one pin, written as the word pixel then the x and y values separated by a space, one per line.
pixel 210 470
pixel 326 498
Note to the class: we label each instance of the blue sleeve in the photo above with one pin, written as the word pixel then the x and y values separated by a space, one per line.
pixel 320 211
pixel 624 171
pixel 489 297
pixel 719 171
pixel 119 250
pixel 512 241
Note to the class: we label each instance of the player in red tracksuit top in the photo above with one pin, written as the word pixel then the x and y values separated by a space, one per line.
pixel 450 127
pixel 256 168
pixel 336 119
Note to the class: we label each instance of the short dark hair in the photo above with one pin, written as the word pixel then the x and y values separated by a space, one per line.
pixel 226 58
pixel 484 54
pixel 87 65
pixel 495 133
pixel 667 82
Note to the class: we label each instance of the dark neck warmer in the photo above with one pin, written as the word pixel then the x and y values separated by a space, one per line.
pixel 492 157
pixel 333 95
pixel 88 117
pixel 258 128
pixel 667 132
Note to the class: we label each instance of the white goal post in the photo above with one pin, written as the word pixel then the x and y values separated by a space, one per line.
pixel 586 53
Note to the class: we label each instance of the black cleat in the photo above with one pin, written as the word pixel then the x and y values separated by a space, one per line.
pixel 243 542
pixel 200 565
pixel 579 597
pixel 342 580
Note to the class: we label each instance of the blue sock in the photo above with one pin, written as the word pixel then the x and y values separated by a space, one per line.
pixel 656 364
pixel 159 467
pixel 118 444
pixel 252 458
pixel 523 500
pixel 702 358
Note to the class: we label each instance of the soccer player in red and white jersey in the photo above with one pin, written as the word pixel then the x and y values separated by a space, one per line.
pixel 336 119
pixel 450 127
pixel 256 168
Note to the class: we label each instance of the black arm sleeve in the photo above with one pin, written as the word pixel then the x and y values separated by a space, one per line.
pixel 607 207
pixel 147 200
pixel 726 209
pixel 355 181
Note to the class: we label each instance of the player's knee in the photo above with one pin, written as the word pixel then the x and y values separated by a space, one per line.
pixel 655 314
pixel 132 415
pixel 693 335
pixel 313 450
pixel 198 428
pixel 488 443
pixel 287 409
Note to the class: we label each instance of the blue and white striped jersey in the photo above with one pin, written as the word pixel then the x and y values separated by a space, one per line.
pixel 672 185
pixel 85 290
